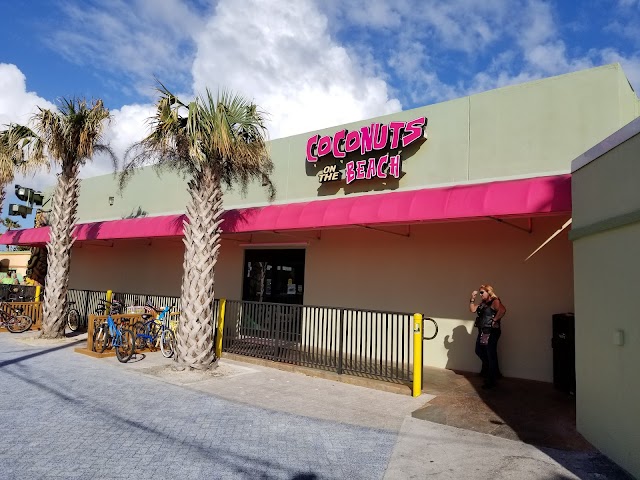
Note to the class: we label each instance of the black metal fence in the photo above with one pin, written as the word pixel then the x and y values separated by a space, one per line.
pixel 141 299
pixel 86 302
pixel 18 293
pixel 367 343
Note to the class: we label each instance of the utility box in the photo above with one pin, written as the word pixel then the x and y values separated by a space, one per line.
pixel 563 343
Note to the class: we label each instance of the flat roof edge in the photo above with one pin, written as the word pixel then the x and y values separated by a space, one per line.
pixel 612 141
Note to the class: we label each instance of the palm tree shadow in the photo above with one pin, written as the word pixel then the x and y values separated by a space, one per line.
pixel 245 465
pixel 91 230
pixel 233 220
pixel 39 353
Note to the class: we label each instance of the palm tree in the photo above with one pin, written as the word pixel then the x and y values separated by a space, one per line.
pixel 212 142
pixel 69 138
pixel 13 141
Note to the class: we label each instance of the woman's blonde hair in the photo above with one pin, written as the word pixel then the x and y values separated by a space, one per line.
pixel 489 290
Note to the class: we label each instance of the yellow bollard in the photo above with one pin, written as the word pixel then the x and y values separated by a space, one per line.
pixel 417 354
pixel 108 306
pixel 223 302
pixel 38 290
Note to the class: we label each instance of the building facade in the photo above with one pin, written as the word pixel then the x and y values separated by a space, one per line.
pixel 606 249
pixel 407 212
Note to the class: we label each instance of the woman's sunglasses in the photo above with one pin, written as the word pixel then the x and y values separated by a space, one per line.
pixel 482 292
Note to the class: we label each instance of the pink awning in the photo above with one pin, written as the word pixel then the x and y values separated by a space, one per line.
pixel 525 197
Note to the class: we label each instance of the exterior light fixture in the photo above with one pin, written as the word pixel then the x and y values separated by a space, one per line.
pixel 111 200
pixel 19 210
pixel 28 195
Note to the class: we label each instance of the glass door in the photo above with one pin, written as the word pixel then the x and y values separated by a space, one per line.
pixel 274 276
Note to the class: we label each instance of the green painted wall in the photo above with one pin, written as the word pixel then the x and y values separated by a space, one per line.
pixel 608 187
pixel 525 130
pixel 606 282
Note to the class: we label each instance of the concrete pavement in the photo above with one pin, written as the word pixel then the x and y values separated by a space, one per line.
pixel 66 415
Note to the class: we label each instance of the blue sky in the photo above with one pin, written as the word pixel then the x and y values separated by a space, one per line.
pixel 309 64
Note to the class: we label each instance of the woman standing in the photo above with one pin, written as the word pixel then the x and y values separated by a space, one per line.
pixel 489 312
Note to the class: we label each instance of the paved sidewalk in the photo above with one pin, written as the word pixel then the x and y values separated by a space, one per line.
pixel 66 415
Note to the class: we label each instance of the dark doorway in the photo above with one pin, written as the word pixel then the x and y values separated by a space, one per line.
pixel 274 276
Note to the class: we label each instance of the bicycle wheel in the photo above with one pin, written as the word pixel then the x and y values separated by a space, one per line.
pixel 73 319
pixel 125 346
pixel 153 335
pixel 167 343
pixel 4 319
pixel 19 323
pixel 100 339
pixel 139 332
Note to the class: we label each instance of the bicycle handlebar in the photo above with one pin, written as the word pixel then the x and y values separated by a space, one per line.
pixel 160 310
pixel 112 302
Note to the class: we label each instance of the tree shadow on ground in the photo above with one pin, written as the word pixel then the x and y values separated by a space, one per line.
pixel 244 465
pixel 39 353
pixel 530 411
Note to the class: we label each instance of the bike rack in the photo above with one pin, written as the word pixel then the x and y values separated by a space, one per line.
pixel 424 319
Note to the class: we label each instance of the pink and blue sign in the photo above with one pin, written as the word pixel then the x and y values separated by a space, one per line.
pixel 376 137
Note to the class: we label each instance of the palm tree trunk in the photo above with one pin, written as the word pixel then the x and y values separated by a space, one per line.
pixel 195 347
pixel 37 266
pixel 2 195
pixel 63 217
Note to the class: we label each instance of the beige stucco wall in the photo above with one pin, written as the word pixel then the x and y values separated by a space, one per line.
pixel 525 130
pixel 607 279
pixel 141 266
pixel 433 271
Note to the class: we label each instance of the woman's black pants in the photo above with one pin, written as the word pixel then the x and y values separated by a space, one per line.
pixel 489 356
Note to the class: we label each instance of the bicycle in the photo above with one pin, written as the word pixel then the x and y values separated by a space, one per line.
pixel 152 331
pixel 115 307
pixel 108 334
pixel 16 321
pixel 73 317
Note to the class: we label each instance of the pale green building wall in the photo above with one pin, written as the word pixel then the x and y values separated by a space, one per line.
pixel 606 250
pixel 525 130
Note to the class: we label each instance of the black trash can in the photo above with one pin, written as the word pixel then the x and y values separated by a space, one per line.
pixel 563 343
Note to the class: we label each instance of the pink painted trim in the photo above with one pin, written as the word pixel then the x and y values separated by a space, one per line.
pixel 531 196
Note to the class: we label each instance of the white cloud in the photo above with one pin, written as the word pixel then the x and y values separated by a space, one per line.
pixel 282 56
pixel 552 59
pixel 535 25
pixel 630 64
pixel 128 125
pixel 17 105
pixel 459 25
pixel 139 38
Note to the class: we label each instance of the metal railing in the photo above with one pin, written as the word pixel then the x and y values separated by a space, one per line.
pixel 86 302
pixel 141 299
pixel 369 343
pixel 16 292
pixel 366 343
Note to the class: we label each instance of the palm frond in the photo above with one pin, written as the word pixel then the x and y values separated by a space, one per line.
pixel 223 134
pixel 72 133
pixel 21 151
